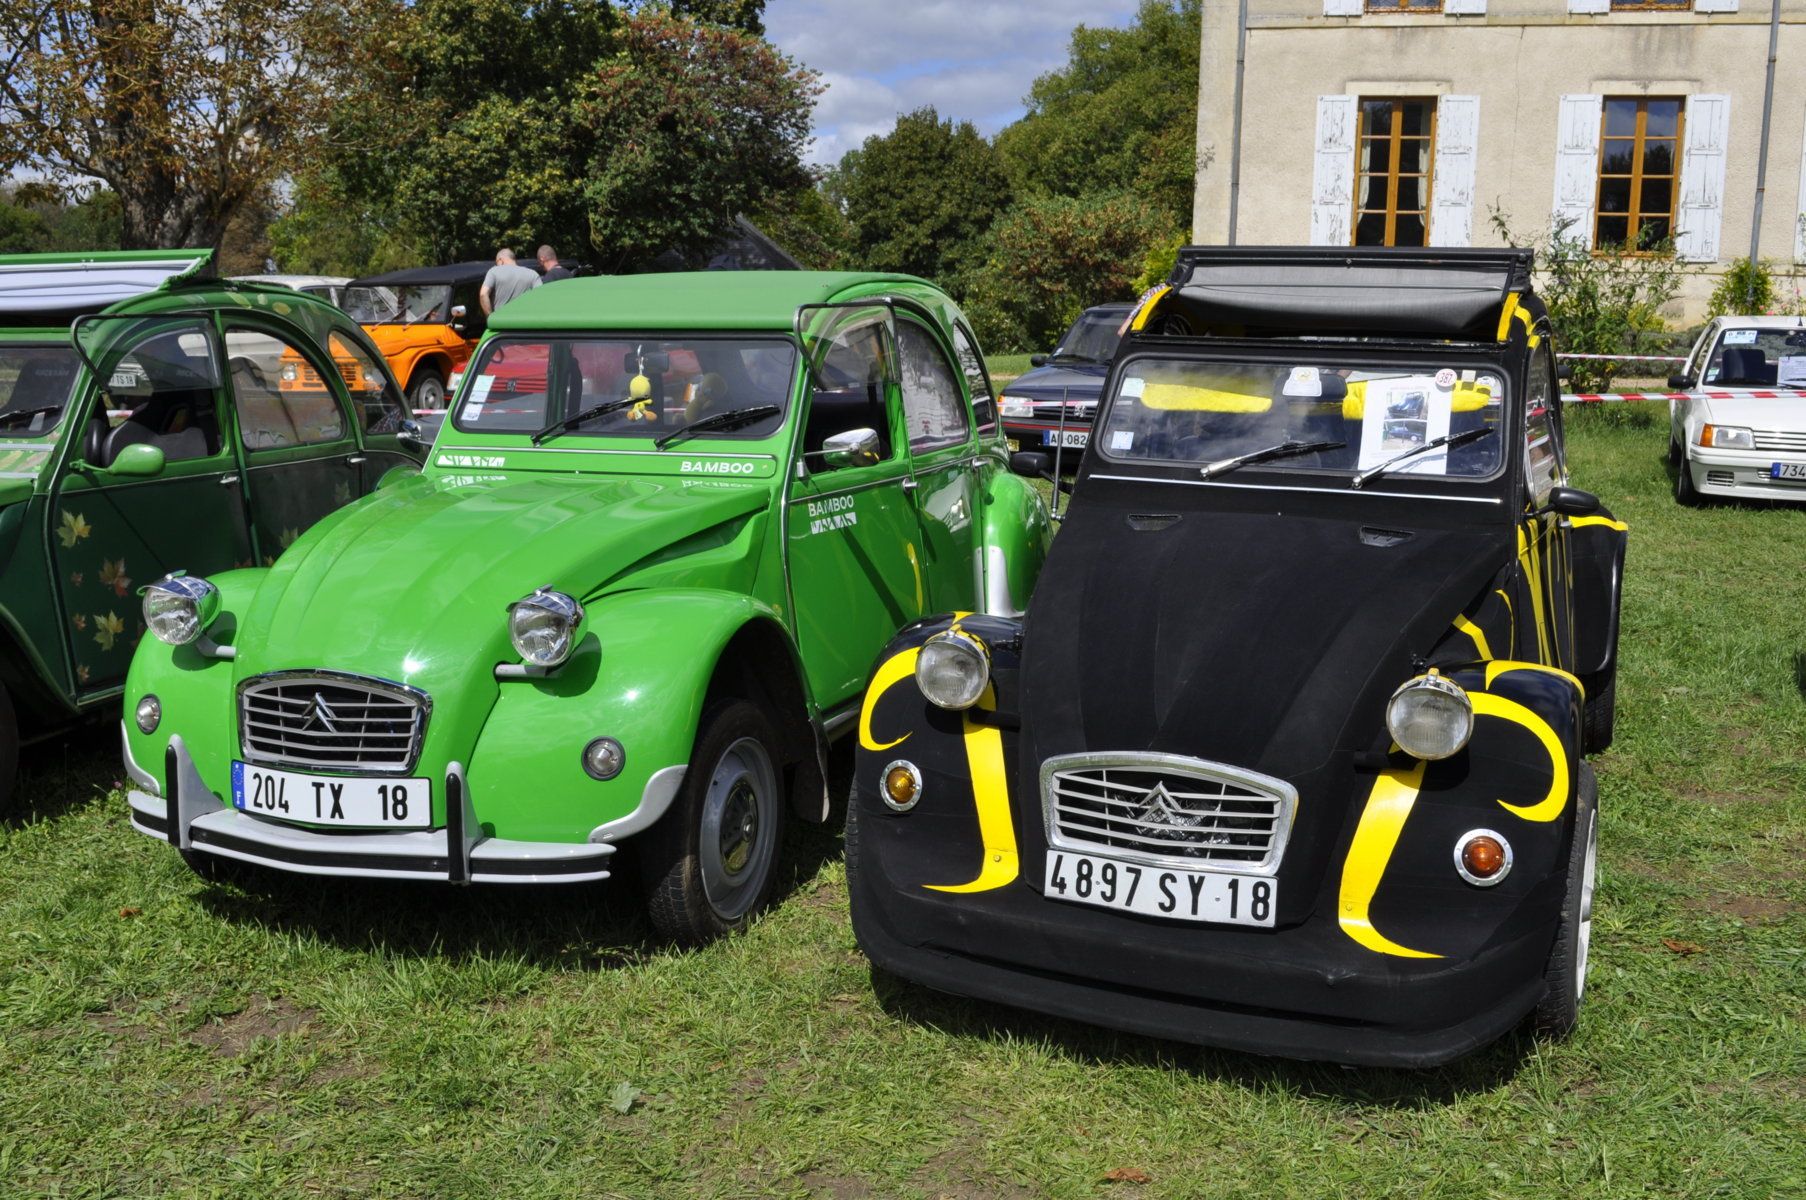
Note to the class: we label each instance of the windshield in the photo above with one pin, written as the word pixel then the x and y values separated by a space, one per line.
pixel 1758 358
pixel 34 388
pixel 398 305
pixel 1092 336
pixel 523 385
pixel 1203 413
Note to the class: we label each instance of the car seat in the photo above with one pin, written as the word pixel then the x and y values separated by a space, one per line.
pixel 1746 365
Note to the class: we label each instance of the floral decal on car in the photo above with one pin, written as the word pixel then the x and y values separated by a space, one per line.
pixel 75 527
pixel 107 628
pixel 112 573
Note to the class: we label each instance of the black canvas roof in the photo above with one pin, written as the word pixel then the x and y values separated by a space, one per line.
pixel 452 273
pixel 1456 293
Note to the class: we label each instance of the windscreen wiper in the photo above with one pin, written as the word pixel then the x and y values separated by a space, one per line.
pixel 733 418
pixel 566 424
pixel 21 414
pixel 1447 439
pixel 1283 450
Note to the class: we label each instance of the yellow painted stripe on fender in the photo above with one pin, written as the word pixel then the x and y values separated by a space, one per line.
pixel 1388 804
pixel 1496 669
pixel 1475 634
pixel 991 794
pixel 1533 568
pixel 1511 619
pixel 1608 522
pixel 1146 311
pixel 1550 806
pixel 897 667
pixel 1509 311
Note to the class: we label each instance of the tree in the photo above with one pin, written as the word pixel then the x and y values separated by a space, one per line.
pixel 748 16
pixel 1121 114
pixel 1051 257
pixel 920 198
pixel 186 110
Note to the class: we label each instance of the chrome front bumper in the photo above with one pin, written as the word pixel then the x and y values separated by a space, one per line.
pixel 191 818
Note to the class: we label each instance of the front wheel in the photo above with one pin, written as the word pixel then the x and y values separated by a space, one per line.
pixel 1684 491
pixel 1566 973
pixel 712 861
pixel 427 390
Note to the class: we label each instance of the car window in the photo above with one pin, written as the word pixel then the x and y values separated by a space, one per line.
pixel 978 380
pixel 1542 452
pixel 1168 410
pixel 1093 336
pixel 34 387
pixel 405 305
pixel 374 398
pixel 1758 358
pixel 162 392
pixel 520 385
pixel 280 397
pixel 933 405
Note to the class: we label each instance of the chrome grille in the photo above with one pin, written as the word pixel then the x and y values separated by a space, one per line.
pixel 1779 439
pixel 1721 478
pixel 1076 413
pixel 1167 808
pixel 332 722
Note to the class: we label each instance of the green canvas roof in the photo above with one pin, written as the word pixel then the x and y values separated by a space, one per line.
pixel 681 300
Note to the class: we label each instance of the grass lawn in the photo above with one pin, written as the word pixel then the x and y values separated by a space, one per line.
pixel 1006 366
pixel 160 1035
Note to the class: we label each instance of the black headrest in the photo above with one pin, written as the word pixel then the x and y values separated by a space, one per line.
pixel 1743 362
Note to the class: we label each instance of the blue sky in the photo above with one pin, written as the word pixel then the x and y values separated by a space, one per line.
pixel 972 59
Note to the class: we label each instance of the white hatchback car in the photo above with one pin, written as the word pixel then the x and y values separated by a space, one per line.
pixel 1739 428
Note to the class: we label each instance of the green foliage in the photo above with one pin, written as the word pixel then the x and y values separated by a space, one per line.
pixel 327 233
pixel 1747 289
pixel 1157 265
pixel 37 218
pixel 744 15
pixel 22 231
pixel 1051 257
pixel 1120 116
pixel 920 198
pixel 1602 302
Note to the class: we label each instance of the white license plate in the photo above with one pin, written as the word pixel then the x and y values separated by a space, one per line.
pixel 1177 895
pixel 1787 471
pixel 352 801
pixel 1074 439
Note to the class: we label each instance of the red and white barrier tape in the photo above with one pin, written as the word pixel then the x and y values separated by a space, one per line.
pixel 1627 357
pixel 1636 397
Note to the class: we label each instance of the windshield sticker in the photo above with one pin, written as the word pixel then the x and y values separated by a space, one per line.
pixel 1132 385
pixel 1401 413
pixel 1122 439
pixel 1445 379
pixel 1740 337
pixel 1304 381
pixel 1791 370
pixel 479 395
pixel 835 512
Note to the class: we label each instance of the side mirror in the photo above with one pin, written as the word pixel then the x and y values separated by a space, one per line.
pixel 1037 360
pixel 458 311
pixel 1681 383
pixel 141 461
pixel 1031 463
pixel 854 448
pixel 1571 502
pixel 411 431
pixel 1564 371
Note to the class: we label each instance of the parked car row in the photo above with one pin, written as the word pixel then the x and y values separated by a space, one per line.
pixel 1282 748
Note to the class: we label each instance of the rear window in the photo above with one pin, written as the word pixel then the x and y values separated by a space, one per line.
pixel 34 388
pixel 521 385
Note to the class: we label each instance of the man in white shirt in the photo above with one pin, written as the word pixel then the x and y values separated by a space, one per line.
pixel 505 281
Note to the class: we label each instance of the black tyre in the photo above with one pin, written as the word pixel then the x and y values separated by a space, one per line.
pixel 427 390
pixel 1676 456
pixel 711 863
pixel 1600 712
pixel 9 753
pixel 1566 973
pixel 1684 491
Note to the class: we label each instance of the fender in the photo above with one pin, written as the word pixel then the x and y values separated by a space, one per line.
pixel 1015 537
pixel 1597 546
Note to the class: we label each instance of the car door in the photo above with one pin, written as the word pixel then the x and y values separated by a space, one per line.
pixel 115 526
pixel 938 417
pixel 377 407
pixel 1543 549
pixel 301 457
pixel 852 540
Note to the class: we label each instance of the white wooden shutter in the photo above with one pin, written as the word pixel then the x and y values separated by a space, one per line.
pixel 1577 164
pixel 1702 179
pixel 1471 8
pixel 1452 200
pixel 1799 221
pixel 1332 188
pixel 1714 6
pixel 1343 8
pixel 1584 8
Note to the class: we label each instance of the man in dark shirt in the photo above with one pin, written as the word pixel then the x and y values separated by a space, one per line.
pixel 550 271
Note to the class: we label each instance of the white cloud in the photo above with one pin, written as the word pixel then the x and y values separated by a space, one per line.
pixel 972 60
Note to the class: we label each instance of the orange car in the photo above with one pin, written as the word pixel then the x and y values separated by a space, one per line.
pixel 425 320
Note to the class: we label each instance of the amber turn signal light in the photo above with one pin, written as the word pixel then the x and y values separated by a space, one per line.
pixel 1483 857
pixel 902 786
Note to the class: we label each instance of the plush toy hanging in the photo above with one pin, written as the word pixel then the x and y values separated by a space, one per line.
pixel 639 389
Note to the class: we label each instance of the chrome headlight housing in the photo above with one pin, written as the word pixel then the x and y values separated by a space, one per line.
pixel 178 608
pixel 953 669
pixel 1015 406
pixel 1430 717
pixel 544 627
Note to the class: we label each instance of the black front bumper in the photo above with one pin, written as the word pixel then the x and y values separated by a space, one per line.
pixel 1308 992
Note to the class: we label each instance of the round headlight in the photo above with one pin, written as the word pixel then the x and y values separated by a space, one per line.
pixel 149 714
pixel 543 627
pixel 1430 717
pixel 178 608
pixel 952 669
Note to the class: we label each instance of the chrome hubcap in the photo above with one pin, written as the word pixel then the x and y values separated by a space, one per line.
pixel 738 812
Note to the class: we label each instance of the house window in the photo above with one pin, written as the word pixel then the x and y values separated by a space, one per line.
pixel 1639 157
pixel 1396 138
pixel 1652 5
pixel 1398 6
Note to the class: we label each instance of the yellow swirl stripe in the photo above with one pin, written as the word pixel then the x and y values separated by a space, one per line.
pixel 1550 806
pixel 1390 802
pixel 897 667
pixel 991 794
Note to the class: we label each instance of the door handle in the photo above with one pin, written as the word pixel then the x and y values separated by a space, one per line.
pixel 910 485
pixel 354 460
pixel 228 480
